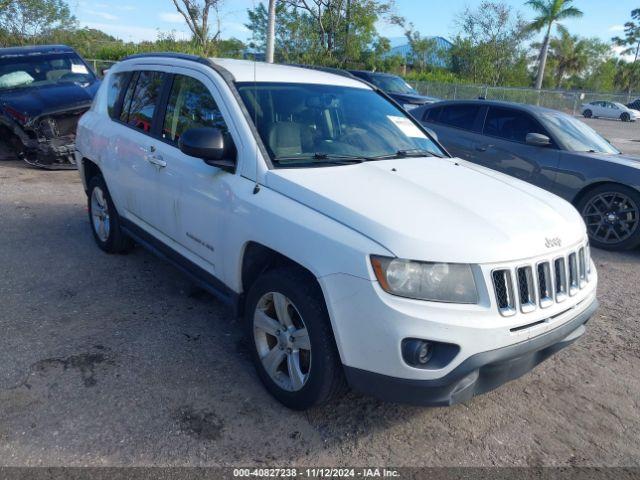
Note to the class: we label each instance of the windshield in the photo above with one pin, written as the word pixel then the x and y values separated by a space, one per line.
pixel 575 135
pixel 304 124
pixel 40 70
pixel 392 84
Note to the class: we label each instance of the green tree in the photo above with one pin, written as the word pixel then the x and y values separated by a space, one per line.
pixel 196 14
pixel 631 39
pixel 490 44
pixel 571 56
pixel 22 20
pixel 627 76
pixel 549 13
pixel 327 32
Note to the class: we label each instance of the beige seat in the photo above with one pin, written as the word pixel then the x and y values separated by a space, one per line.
pixel 285 139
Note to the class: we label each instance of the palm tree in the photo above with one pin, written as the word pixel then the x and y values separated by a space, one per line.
pixel 549 12
pixel 571 55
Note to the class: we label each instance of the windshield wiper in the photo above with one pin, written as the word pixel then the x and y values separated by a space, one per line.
pixel 321 158
pixel 412 152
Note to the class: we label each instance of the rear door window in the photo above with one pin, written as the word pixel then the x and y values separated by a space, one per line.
pixel 141 100
pixel 432 114
pixel 509 124
pixel 459 116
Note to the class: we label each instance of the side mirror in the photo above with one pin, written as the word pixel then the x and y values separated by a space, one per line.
pixel 538 140
pixel 211 145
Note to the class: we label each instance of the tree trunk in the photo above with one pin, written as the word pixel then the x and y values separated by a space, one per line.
pixel 271 31
pixel 543 59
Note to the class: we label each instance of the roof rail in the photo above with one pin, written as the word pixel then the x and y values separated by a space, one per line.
pixel 181 56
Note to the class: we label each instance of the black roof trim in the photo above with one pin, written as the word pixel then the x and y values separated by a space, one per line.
pixel 185 56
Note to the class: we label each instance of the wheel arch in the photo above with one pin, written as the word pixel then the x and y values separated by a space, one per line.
pixel 592 186
pixel 258 259
pixel 89 170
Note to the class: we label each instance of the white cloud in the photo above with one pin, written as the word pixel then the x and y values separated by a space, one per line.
pixel 131 33
pixel 126 8
pixel 171 17
pixel 103 15
pixel 616 28
pixel 234 27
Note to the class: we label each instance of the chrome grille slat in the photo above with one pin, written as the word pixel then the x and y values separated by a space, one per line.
pixel 545 284
pixel 582 269
pixel 526 289
pixel 560 274
pixel 503 287
pixel 541 284
pixel 573 274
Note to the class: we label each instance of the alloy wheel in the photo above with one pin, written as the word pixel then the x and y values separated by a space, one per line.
pixel 100 214
pixel 611 217
pixel 282 341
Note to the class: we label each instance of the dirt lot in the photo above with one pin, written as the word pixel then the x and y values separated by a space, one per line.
pixel 116 360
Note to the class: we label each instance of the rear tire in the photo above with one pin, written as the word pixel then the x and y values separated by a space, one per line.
pixel 625 117
pixel 612 215
pixel 587 113
pixel 291 340
pixel 104 219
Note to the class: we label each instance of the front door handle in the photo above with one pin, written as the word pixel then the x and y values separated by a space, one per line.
pixel 156 160
pixel 483 148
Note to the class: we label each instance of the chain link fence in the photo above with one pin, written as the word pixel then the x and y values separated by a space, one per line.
pixel 99 66
pixel 566 101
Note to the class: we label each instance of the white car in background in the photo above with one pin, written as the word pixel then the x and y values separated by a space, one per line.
pixel 610 110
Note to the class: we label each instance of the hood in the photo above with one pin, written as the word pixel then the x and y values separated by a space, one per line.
pixel 625 159
pixel 36 101
pixel 411 98
pixel 431 209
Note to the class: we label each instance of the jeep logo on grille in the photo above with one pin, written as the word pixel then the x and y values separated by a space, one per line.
pixel 553 242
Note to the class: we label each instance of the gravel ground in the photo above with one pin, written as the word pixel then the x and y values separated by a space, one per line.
pixel 117 360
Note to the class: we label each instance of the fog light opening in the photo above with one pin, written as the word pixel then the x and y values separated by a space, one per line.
pixel 418 352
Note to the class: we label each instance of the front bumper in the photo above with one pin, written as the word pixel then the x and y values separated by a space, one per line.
pixel 478 374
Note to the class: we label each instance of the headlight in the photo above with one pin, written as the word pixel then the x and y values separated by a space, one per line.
pixel 436 282
pixel 409 106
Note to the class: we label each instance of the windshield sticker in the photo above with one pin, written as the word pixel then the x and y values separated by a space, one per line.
pixel 79 69
pixel 407 127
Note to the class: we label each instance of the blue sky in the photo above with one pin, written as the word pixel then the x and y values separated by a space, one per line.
pixel 142 19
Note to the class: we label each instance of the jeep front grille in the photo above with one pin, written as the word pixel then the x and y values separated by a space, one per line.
pixel 540 285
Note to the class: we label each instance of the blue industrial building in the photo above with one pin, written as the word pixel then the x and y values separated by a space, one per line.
pixel 437 59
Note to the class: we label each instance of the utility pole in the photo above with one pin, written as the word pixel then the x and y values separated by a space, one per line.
pixel 271 31
pixel 348 27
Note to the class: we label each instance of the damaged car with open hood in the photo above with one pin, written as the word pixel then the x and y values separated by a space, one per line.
pixel 44 90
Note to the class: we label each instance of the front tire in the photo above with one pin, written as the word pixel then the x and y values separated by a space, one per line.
pixel 104 219
pixel 291 341
pixel 587 113
pixel 612 215
pixel 625 117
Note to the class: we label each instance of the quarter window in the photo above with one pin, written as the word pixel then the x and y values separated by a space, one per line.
pixel 190 106
pixel 459 116
pixel 141 100
pixel 118 83
pixel 511 124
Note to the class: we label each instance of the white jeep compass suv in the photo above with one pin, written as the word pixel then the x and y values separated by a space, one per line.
pixel 358 251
